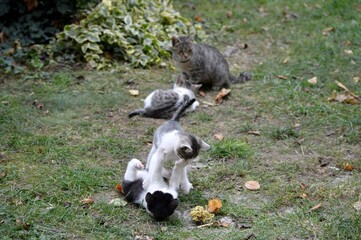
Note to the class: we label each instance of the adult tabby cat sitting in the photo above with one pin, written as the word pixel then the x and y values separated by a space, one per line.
pixel 203 64
pixel 163 103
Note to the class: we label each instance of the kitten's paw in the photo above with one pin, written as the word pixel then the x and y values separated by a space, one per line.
pixel 136 164
pixel 186 187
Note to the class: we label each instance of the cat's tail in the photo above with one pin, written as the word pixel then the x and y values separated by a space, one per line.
pixel 182 108
pixel 139 111
pixel 243 77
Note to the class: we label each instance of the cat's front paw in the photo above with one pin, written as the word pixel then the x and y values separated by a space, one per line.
pixel 186 187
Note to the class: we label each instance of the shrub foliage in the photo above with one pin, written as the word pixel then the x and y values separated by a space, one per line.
pixel 137 31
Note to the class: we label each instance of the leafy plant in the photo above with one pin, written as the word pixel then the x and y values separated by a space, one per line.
pixel 135 31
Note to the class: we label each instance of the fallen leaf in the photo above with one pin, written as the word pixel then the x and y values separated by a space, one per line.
pixel 303 195
pixel 347 52
pixel 31 4
pixel 257 133
pixel 198 18
pixel 347 167
pixel 87 201
pixel 134 92
pixel 218 136
pixel 214 205
pixel 202 93
pixel 252 185
pixel 343 98
pixel 118 202
pixel 222 94
pixel 327 31
pixel 223 222
pixel 347 43
pixel 200 215
pixel 357 206
pixel 229 14
pixel 356 79
pixel 312 81
pixel 209 103
pixel 119 188
pixel 286 60
pixel 315 207
pixel 282 77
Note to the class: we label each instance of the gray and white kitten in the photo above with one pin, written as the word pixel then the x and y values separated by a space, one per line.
pixel 158 198
pixel 164 103
pixel 171 142
pixel 203 64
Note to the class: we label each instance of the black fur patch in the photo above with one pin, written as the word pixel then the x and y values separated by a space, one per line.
pixel 161 204
pixel 132 190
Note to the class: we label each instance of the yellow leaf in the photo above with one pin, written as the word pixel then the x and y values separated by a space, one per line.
pixel 312 81
pixel 218 136
pixel 315 207
pixel 200 215
pixel 327 31
pixel 134 92
pixel 347 167
pixel 87 201
pixel 252 185
pixel 214 205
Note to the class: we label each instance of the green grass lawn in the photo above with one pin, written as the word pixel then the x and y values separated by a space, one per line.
pixel 67 137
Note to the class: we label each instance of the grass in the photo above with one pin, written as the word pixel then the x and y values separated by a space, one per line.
pixel 78 143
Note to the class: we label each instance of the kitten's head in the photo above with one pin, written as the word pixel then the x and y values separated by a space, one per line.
pixel 190 146
pixel 161 205
pixel 182 81
pixel 182 48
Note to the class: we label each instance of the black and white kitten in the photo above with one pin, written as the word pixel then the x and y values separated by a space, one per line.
pixel 163 103
pixel 158 199
pixel 171 142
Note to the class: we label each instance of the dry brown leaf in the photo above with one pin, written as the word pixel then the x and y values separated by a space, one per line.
pixel 214 205
pixel 31 4
pixel 198 18
pixel 222 94
pixel 252 185
pixel 218 136
pixel 282 77
pixel 315 207
pixel 303 195
pixel 357 206
pixel 312 81
pixel 343 98
pixel 87 201
pixel 347 167
pixel 257 133
pixel 119 188
pixel 327 31
pixel 134 92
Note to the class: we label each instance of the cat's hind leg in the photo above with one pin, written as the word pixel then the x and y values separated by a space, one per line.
pixel 134 170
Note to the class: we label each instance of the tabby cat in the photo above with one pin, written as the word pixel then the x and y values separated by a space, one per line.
pixel 171 142
pixel 163 103
pixel 203 64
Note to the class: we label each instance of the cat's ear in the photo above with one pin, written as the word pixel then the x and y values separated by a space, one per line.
pixel 204 146
pixel 173 204
pixel 175 40
pixel 186 148
pixel 149 198
pixel 196 87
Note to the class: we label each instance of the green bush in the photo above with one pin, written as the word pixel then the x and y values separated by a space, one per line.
pixel 136 31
